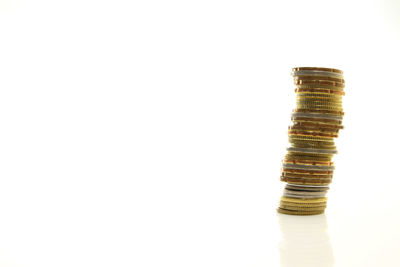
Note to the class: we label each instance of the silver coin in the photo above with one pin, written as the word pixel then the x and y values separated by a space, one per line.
pixel 312 150
pixel 303 197
pixel 317 115
pixel 308 167
pixel 317 73
pixel 321 187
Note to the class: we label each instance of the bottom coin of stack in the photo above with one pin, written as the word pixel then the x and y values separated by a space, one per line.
pixel 308 167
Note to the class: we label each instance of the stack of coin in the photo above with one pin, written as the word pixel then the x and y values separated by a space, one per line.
pixel 307 167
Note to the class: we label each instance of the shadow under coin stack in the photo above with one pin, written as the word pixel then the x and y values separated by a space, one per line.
pixel 307 167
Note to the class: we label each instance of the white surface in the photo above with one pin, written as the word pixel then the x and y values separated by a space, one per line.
pixel 150 133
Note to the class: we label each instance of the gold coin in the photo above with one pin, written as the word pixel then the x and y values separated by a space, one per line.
pixel 326 88
pixel 303 208
pixel 299 154
pixel 319 105
pixel 311 142
pixel 303 205
pixel 302 181
pixel 314 124
pixel 318 100
pixel 322 83
pixel 300 178
pixel 316 105
pixel 302 175
pixel 324 93
pixel 311 163
pixel 329 112
pixel 326 98
pixel 308 183
pixel 297 206
pixel 295 212
pixel 317 96
pixel 317 121
pixel 318 174
pixel 315 134
pixel 320 131
pixel 299 175
pixel 305 202
pixel 313 158
pixel 319 79
pixel 317 124
pixel 319 90
pixel 312 138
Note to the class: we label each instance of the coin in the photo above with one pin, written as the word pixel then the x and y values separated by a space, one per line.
pixel 319 105
pixel 332 84
pixel 317 125
pixel 312 150
pixel 312 89
pixel 291 156
pixel 296 212
pixel 310 177
pixel 306 181
pixel 303 188
pixel 319 200
pixel 319 80
pixel 331 71
pixel 309 162
pixel 305 194
pixel 311 144
pixel 320 123
pixel 317 116
pixel 301 208
pixel 311 133
pixel 312 138
pixel 313 102
pixel 308 167
pixel 332 112
pixel 326 88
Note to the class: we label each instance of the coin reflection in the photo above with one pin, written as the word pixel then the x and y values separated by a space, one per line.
pixel 305 241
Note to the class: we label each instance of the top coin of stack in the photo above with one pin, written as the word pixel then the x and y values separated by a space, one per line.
pixel 317 119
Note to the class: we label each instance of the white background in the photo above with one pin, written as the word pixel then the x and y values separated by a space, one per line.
pixel 151 133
